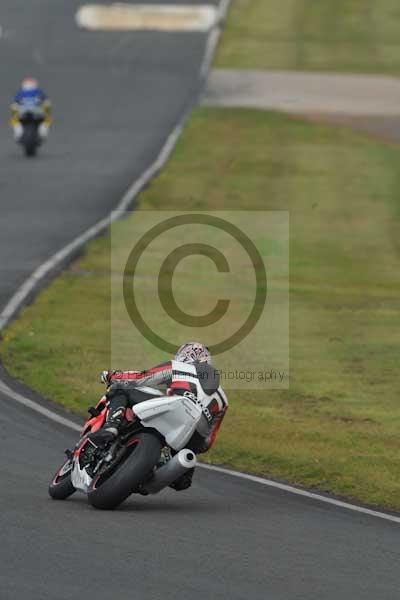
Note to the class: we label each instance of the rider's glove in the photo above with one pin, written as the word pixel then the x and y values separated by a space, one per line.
pixel 105 377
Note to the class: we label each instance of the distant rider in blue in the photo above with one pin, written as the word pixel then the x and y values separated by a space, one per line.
pixel 30 96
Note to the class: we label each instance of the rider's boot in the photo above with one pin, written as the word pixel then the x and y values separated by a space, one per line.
pixel 43 131
pixel 18 131
pixel 110 429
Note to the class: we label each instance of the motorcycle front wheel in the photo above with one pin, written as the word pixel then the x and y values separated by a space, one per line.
pixel 61 486
pixel 112 486
pixel 30 139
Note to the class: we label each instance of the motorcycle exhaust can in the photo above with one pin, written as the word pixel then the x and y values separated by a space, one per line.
pixel 174 468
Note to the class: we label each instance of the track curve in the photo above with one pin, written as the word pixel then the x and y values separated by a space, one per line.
pixel 224 538
pixel 116 99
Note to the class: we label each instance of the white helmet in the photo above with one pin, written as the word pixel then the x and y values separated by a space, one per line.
pixel 193 352
pixel 29 84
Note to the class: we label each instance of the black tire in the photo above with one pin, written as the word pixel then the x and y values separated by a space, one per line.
pixel 30 139
pixel 61 486
pixel 107 491
pixel 30 150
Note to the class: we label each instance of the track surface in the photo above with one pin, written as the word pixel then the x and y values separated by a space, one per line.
pixel 222 539
pixel 116 99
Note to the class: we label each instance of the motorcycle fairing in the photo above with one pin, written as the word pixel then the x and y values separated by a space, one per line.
pixel 80 478
pixel 175 417
pixel 95 423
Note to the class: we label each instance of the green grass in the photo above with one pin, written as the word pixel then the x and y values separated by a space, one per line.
pixel 318 35
pixel 337 428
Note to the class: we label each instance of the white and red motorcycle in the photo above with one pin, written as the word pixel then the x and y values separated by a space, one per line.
pixel 148 456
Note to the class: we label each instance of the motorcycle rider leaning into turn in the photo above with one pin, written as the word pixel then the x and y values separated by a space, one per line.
pixel 30 96
pixel 190 374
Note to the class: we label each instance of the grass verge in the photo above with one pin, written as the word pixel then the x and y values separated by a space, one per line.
pixel 328 35
pixel 337 427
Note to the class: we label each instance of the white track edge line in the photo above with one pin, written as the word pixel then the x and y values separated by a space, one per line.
pixel 27 402
pixel 213 37
pixel 301 492
pixel 29 285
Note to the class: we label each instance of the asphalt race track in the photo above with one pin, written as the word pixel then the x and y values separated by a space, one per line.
pixel 116 99
pixel 223 538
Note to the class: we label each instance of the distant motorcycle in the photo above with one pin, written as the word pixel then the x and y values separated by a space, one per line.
pixel 145 458
pixel 30 119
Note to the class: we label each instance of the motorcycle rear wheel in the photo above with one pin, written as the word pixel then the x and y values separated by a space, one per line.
pixel 111 487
